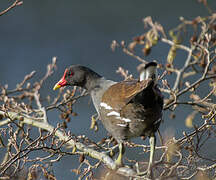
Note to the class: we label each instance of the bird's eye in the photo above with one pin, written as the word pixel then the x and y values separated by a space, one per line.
pixel 70 73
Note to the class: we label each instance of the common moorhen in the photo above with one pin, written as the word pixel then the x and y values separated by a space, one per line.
pixel 127 109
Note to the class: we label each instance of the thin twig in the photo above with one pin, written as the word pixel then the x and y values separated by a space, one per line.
pixel 16 3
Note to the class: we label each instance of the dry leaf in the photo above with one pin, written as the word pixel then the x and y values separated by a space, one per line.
pixel 171 151
pixel 195 97
pixel 189 119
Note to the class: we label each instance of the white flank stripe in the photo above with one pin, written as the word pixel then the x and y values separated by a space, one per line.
pixel 157 121
pixel 122 125
pixel 113 113
pixel 106 106
pixel 126 120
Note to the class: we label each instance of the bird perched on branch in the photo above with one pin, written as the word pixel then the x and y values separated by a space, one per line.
pixel 127 109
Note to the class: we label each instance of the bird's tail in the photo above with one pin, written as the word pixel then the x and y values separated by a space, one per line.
pixel 149 71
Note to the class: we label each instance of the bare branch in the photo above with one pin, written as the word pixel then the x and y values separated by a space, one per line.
pixel 16 3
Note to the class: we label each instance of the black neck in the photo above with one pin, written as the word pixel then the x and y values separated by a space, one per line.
pixel 91 79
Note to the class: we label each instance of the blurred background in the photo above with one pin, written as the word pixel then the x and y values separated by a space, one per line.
pixel 80 32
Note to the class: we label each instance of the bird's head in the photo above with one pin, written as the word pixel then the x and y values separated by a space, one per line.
pixel 76 75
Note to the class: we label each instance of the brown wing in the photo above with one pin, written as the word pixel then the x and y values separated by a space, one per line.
pixel 119 94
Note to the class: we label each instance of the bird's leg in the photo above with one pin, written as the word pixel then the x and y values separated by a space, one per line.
pixel 118 161
pixel 152 142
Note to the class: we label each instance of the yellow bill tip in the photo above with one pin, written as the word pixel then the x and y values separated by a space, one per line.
pixel 57 86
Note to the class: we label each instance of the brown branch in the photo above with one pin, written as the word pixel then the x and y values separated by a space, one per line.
pixel 45 126
pixel 188 88
pixel 64 102
pixel 16 3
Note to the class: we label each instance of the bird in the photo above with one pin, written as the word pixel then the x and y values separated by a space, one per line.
pixel 127 109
